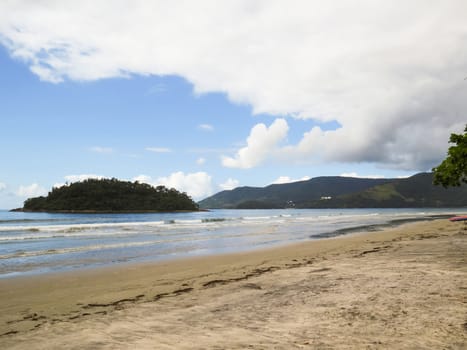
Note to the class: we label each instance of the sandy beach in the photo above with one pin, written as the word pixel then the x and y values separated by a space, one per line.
pixel 402 288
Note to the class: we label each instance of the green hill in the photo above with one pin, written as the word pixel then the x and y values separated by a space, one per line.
pixel 300 193
pixel 343 192
pixel 415 191
pixel 110 195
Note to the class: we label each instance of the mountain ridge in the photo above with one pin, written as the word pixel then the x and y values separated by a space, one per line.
pixel 342 192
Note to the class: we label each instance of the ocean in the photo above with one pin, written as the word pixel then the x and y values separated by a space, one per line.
pixel 38 243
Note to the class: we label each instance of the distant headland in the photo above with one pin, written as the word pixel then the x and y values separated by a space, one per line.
pixel 417 191
pixel 110 196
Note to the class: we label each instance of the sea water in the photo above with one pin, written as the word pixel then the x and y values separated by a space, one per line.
pixel 32 243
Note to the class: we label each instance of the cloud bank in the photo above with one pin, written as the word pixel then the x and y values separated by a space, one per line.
pixel 198 185
pixel 287 179
pixel 229 184
pixel 390 73
pixel 77 178
pixel 354 174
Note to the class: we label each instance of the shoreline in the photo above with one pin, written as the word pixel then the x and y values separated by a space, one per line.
pixel 394 223
pixel 22 210
pixel 342 232
pixel 34 305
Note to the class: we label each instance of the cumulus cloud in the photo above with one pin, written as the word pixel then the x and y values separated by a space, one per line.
pixel 230 184
pixel 33 190
pixel 77 178
pixel 2 186
pixel 354 174
pixel 197 185
pixel 287 179
pixel 201 161
pixel 143 179
pixel 82 177
pixel 391 74
pixel 260 145
pixel 158 149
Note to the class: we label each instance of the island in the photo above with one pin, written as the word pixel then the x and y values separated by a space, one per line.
pixel 110 196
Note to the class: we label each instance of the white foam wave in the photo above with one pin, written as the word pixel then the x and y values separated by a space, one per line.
pixel 79 227
pixel 25 254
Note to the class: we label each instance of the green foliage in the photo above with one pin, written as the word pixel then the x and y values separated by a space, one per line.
pixel 302 193
pixel 257 205
pixel 342 192
pixel 453 170
pixel 382 192
pixel 416 191
pixel 111 195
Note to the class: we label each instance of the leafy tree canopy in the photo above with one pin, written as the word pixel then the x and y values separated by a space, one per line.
pixel 453 170
pixel 111 195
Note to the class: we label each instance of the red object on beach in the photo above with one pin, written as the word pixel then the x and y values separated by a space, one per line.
pixel 458 218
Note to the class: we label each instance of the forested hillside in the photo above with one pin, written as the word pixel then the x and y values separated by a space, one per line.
pixel 343 192
pixel 110 195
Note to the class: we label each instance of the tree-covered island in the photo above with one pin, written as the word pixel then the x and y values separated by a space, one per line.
pixel 109 196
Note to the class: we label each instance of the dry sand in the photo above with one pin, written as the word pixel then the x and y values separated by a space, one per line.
pixel 403 288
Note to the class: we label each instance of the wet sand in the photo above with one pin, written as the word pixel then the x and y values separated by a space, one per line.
pixel 402 288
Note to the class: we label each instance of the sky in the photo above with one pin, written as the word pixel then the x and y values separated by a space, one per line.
pixel 205 96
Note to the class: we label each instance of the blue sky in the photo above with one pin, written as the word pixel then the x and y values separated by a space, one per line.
pixel 223 108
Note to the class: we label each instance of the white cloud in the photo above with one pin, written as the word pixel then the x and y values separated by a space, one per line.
pixel 260 145
pixel 287 179
pixel 78 178
pixel 354 174
pixel 197 185
pixel 103 150
pixel 390 73
pixel 206 127
pixel 201 161
pixel 230 184
pixel 143 179
pixel 33 190
pixel 158 149
pixel 82 177
pixel 2 186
